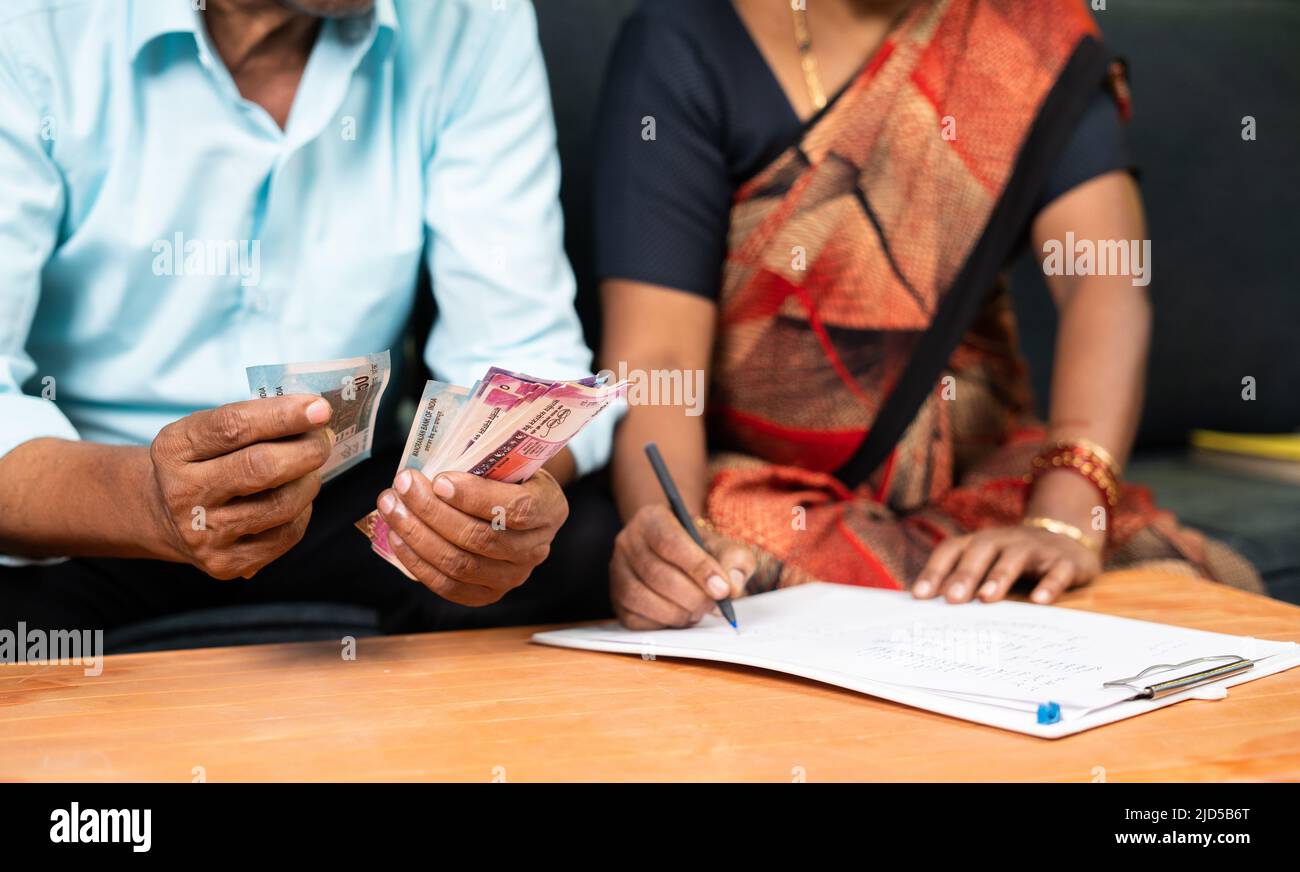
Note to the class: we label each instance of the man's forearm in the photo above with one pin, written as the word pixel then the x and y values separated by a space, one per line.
pixel 65 498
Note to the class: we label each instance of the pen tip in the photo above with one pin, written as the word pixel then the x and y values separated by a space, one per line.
pixel 725 607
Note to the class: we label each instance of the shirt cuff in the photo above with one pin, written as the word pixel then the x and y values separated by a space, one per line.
pixel 24 418
pixel 592 445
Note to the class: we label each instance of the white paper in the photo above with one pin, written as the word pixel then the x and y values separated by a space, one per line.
pixel 991 663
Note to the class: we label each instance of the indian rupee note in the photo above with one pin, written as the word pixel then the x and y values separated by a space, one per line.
pixel 439 405
pixel 353 386
pixel 497 393
pixel 509 425
pixel 538 432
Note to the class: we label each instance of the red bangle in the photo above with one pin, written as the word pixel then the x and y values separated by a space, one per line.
pixel 1081 459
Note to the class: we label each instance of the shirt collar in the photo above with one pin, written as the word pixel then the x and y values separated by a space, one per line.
pixel 386 15
pixel 151 19
pixel 384 24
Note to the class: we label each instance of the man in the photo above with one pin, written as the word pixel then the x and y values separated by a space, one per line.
pixel 331 144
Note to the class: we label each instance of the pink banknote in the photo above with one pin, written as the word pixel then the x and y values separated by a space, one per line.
pixel 506 428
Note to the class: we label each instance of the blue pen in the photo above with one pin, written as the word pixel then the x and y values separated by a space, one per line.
pixel 684 516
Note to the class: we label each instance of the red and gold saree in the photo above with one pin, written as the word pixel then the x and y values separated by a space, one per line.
pixel 873 246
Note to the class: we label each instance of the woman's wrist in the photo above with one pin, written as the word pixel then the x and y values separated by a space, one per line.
pixel 1064 496
pixel 1085 459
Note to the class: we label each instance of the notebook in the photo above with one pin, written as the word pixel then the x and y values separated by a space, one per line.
pixel 1040 670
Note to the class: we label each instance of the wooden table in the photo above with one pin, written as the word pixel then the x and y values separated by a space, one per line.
pixel 487 704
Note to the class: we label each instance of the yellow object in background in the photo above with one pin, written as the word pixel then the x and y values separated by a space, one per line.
pixel 1279 446
pixel 1273 456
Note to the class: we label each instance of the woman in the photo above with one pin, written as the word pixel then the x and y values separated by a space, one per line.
pixel 812 205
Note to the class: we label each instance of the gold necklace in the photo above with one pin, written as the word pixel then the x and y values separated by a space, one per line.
pixel 807 60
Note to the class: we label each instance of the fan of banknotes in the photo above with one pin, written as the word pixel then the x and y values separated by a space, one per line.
pixel 505 427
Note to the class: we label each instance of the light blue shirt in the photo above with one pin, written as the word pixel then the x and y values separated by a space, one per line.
pixel 158 232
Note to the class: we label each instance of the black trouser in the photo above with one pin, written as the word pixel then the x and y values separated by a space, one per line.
pixel 332 564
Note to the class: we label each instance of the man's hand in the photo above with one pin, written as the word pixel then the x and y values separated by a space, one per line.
pixel 660 578
pixel 986 564
pixel 468 539
pixel 235 484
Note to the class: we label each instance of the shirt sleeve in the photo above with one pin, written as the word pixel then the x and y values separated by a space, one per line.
pixel 31 209
pixel 502 283
pixel 662 185
pixel 1098 145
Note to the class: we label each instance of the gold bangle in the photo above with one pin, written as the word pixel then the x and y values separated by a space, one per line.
pixel 1061 528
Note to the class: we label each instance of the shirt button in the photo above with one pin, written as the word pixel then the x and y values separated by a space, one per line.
pixel 257 301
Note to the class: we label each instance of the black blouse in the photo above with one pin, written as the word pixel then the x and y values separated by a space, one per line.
pixel 662 206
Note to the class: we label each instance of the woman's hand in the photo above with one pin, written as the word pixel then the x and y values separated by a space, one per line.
pixel 660 578
pixel 990 561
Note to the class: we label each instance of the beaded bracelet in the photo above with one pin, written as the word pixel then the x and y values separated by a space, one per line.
pixel 1084 458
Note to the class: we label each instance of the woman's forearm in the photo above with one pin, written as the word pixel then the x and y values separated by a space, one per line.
pixel 1097 388
pixel 681 441
pixel 1101 342
pixel 1101 351
pixel 651 332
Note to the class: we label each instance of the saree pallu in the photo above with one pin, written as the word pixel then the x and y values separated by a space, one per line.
pixel 843 252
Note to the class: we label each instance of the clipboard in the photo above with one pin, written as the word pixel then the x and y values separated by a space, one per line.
pixel 1228 665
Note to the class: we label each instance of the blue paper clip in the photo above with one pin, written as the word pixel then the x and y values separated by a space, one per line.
pixel 1049 713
